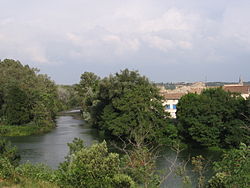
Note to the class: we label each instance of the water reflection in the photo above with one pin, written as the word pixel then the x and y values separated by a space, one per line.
pixel 168 156
pixel 51 148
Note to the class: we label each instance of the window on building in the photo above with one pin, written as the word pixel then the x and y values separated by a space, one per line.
pixel 174 106
pixel 167 106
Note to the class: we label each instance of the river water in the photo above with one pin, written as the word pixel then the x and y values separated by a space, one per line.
pixel 51 148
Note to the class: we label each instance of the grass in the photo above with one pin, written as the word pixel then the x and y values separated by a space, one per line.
pixel 26 183
pixel 24 130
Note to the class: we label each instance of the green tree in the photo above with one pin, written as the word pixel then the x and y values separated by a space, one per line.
pixel 68 96
pixel 233 170
pixel 1 103
pixel 9 152
pixel 246 111
pixel 17 109
pixel 212 118
pixel 92 167
pixel 196 124
pixel 25 95
pixel 140 163
pixel 127 105
pixel 87 90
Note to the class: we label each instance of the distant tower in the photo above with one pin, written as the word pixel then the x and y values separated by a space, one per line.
pixel 240 81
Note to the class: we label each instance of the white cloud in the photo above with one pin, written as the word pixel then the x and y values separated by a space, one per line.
pixel 94 45
pixel 2 37
pixel 121 45
pixel 185 45
pixel 236 22
pixel 36 54
pixel 159 43
pixel 172 19
pixel 74 38
pixel 22 45
pixel 6 21
pixel 111 31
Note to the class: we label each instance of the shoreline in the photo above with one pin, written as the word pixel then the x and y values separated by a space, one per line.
pixel 24 130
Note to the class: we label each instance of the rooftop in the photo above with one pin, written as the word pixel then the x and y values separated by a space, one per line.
pixel 238 89
pixel 173 96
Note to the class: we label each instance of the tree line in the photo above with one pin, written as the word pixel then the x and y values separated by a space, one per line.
pixel 214 118
pixel 26 97
pixel 125 105
pixel 127 108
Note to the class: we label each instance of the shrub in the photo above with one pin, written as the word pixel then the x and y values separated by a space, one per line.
pixel 9 152
pixel 36 172
pixel 92 167
pixel 233 170
pixel 6 168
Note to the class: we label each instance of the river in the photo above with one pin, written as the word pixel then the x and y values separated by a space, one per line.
pixel 51 148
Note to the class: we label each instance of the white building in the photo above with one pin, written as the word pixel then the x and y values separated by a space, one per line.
pixel 170 102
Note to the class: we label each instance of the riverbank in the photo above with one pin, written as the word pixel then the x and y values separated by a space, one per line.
pixel 24 130
pixel 25 182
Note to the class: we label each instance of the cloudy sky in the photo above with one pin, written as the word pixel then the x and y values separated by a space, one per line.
pixel 166 40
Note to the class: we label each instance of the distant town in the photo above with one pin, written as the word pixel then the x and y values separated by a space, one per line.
pixel 172 92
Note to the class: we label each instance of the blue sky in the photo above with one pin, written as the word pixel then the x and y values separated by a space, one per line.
pixel 166 40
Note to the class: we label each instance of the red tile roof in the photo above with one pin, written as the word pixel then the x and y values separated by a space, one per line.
pixel 173 96
pixel 238 89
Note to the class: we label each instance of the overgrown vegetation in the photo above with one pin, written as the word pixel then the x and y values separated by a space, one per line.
pixel 68 97
pixel 26 98
pixel 233 171
pixel 97 167
pixel 125 105
pixel 83 167
pixel 214 118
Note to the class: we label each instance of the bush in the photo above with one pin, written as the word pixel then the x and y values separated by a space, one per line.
pixel 233 170
pixel 3 130
pixel 123 181
pixel 6 168
pixel 139 163
pixel 9 152
pixel 36 172
pixel 92 167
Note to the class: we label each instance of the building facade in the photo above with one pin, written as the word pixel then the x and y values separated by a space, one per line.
pixel 170 102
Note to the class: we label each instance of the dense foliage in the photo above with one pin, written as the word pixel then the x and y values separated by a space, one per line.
pixel 95 166
pixel 9 152
pixel 126 104
pixel 25 95
pixel 87 89
pixel 83 167
pixel 68 97
pixel 233 171
pixel 9 159
pixel 92 167
pixel 213 118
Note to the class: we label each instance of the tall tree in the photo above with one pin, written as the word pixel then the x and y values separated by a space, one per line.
pixel 25 94
pixel 17 106
pixel 128 105
pixel 87 90
pixel 212 118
